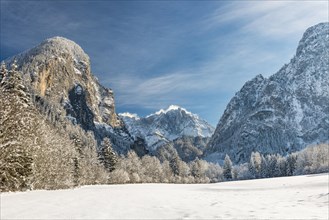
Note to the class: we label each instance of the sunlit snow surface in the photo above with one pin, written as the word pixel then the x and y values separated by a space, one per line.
pixel 301 197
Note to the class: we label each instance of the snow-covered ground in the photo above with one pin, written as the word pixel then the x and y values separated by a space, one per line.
pixel 300 197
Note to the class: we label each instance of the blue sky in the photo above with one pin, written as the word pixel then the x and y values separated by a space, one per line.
pixel 196 54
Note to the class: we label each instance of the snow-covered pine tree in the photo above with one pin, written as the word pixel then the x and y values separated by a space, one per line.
pixel 109 156
pixel 291 164
pixel 14 84
pixel 255 164
pixel 195 168
pixel 152 169
pixel 91 170
pixel 52 158
pixel 133 167
pixel 263 167
pixel 174 164
pixel 76 160
pixel 282 164
pixel 227 168
pixel 198 169
pixel 16 136
pixel 3 71
pixel 273 166
pixel 167 172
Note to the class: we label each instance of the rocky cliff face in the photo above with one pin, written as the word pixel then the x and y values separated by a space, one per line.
pixel 57 67
pixel 283 113
pixel 58 71
pixel 165 126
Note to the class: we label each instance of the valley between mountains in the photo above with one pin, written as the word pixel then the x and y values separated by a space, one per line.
pixel 60 128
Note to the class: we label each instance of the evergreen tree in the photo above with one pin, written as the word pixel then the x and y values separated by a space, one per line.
pixel 273 166
pixel 291 164
pixel 263 167
pixel 109 156
pixel 227 168
pixel 174 164
pixel 76 160
pixel 16 133
pixel 152 169
pixel 283 166
pixel 14 84
pixel 195 169
pixel 255 164
pixel 3 71
pixel 199 170
pixel 133 166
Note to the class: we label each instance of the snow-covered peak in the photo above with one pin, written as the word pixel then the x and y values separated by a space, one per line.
pixel 313 41
pixel 55 48
pixel 166 125
pixel 58 45
pixel 129 115
pixel 172 108
pixel 282 113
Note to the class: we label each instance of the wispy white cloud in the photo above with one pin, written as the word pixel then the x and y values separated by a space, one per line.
pixel 221 74
pixel 152 92
pixel 238 57
pixel 271 18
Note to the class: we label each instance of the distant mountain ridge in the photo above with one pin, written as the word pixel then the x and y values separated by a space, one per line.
pixel 166 125
pixel 282 113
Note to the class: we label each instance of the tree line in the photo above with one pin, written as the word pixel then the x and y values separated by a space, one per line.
pixel 161 169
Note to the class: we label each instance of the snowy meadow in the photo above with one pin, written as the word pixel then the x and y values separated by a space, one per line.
pixel 297 197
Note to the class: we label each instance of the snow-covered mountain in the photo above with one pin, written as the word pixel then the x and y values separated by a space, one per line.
pixel 58 72
pixel 166 125
pixel 282 113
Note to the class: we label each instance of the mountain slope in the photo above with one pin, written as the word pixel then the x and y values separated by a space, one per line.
pixel 58 71
pixel 283 113
pixel 166 125
pixel 36 150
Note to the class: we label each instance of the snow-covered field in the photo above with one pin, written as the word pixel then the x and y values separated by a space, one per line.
pixel 300 197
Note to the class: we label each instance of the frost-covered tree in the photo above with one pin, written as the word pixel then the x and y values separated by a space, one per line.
pixel 175 165
pixel 87 167
pixel 167 172
pixel 255 164
pixel 196 169
pixel 14 84
pixel 16 133
pixel 273 168
pixel 227 167
pixel 152 169
pixel 109 156
pixel 28 141
pixel 52 158
pixel 184 171
pixel 3 71
pixel 215 173
pixel 291 164
pixel 282 165
pixel 134 168
pixel 263 167
pixel 169 153
pixel 118 176
pixel 313 159
pixel 243 171
pixel 235 172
